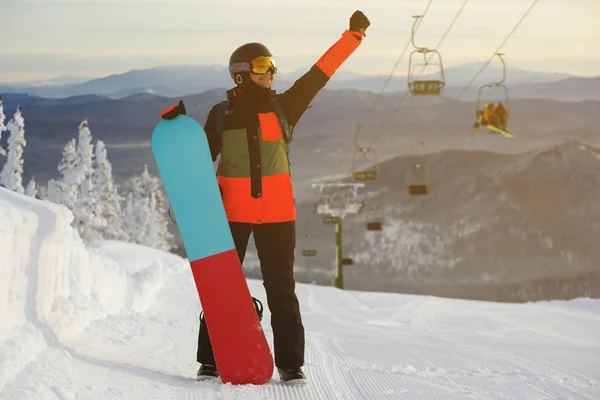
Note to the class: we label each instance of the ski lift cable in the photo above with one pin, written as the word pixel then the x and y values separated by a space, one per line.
pixel 496 53
pixel 509 35
pixel 408 94
pixel 439 43
pixel 400 57
pixel 371 225
pixel 498 50
pixel 512 31
pixel 340 168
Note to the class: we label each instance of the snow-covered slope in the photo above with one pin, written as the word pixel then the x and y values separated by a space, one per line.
pixel 119 321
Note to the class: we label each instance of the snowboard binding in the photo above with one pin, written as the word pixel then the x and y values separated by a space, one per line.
pixel 171 215
pixel 259 308
pixel 257 305
pixel 174 111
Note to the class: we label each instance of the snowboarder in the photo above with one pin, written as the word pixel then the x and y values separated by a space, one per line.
pixel 251 131
pixel 502 116
pixel 493 115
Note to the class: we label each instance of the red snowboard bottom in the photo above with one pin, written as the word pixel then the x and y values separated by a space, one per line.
pixel 241 351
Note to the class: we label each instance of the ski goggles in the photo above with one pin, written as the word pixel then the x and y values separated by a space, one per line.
pixel 259 66
pixel 262 65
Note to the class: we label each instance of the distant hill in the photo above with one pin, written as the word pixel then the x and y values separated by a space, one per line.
pixel 570 89
pixel 502 227
pixel 188 80
pixel 11 100
pixel 455 77
pixel 60 80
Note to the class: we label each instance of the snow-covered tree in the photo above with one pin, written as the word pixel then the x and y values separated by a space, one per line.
pixel 31 189
pixel 88 220
pixel 11 176
pixel 88 207
pixel 85 150
pixel 70 164
pixel 2 126
pixel 108 195
pixel 42 192
pixel 129 222
pixel 53 191
pixel 135 218
pixel 77 189
pixel 144 185
pixel 142 188
pixel 66 190
pixel 153 234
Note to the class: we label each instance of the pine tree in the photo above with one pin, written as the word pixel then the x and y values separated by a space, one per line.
pixel 53 191
pixel 141 207
pixel 152 237
pixel 135 219
pixel 66 191
pixel 85 150
pixel 88 219
pixel 76 189
pixel 31 189
pixel 2 127
pixel 129 222
pixel 42 192
pixel 161 237
pixel 108 195
pixel 88 211
pixel 11 176
pixel 145 186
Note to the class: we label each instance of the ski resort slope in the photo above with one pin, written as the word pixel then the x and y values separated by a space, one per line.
pixel 119 321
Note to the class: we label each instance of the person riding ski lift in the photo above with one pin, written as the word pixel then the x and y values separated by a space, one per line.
pixel 493 114
pixel 251 131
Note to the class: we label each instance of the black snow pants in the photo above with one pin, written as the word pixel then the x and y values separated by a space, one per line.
pixel 275 244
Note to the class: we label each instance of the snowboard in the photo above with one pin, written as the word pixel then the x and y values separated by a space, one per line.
pixel 500 131
pixel 181 151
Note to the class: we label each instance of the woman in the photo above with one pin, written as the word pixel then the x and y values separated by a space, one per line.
pixel 252 134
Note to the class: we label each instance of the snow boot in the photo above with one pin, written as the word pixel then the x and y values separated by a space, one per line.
pixel 206 372
pixel 292 376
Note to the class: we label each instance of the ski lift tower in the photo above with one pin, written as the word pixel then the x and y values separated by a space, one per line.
pixel 334 214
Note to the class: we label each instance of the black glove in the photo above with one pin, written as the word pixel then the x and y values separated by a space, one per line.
pixel 174 111
pixel 359 22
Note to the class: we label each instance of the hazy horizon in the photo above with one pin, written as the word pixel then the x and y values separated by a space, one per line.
pixel 91 39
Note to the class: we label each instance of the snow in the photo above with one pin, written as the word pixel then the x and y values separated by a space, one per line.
pixel 114 320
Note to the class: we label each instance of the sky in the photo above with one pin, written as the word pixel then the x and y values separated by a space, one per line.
pixel 42 39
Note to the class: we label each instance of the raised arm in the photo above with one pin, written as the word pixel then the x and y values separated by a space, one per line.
pixel 297 98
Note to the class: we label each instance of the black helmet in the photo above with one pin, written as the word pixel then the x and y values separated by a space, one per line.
pixel 239 62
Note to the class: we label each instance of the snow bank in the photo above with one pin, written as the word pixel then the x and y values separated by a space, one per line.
pixel 51 285
pixel 144 278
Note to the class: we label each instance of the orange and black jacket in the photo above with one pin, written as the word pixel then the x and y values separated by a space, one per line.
pixel 253 172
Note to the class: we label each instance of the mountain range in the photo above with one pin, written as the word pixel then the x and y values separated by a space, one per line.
pixel 393 125
pixel 505 219
pixel 189 80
